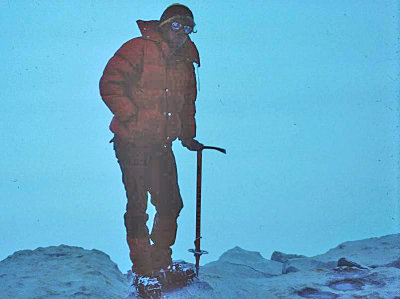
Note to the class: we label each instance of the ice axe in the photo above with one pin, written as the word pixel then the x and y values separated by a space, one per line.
pixel 197 251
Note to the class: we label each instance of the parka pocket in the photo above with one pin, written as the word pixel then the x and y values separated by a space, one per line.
pixel 149 123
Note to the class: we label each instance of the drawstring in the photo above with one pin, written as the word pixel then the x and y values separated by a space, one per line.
pixel 198 77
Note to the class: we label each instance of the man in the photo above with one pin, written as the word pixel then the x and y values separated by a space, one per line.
pixel 150 87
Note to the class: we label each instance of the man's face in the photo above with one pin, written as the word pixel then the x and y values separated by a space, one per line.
pixel 176 32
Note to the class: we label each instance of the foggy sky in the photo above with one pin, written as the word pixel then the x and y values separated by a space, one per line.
pixel 303 95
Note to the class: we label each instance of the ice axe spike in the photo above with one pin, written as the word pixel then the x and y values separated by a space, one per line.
pixel 197 251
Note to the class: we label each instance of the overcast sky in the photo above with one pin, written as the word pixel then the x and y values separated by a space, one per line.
pixel 302 94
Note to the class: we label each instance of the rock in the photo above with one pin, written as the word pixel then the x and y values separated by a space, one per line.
pixel 370 252
pixel 343 262
pixel 63 271
pixel 283 257
pixel 240 262
pixel 304 264
pixel 395 264
pixel 316 294
pixel 290 269
pixel 239 256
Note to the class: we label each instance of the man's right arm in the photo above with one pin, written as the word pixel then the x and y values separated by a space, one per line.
pixel 121 73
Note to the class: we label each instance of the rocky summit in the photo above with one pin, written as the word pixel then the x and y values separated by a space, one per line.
pixel 367 268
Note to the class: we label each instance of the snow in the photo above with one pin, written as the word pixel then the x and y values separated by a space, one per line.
pixel 367 268
pixel 60 272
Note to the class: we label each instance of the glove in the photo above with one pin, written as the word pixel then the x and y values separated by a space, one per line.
pixel 192 144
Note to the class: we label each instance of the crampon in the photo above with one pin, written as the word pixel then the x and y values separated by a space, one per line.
pixel 176 275
pixel 147 287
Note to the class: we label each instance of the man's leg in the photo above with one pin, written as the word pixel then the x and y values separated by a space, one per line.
pixel 165 195
pixel 133 163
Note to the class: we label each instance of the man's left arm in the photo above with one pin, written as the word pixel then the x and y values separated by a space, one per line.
pixel 187 116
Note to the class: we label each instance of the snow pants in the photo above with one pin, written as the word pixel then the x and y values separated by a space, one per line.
pixel 149 169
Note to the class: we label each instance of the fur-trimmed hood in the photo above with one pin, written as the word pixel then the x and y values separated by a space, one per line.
pixel 150 30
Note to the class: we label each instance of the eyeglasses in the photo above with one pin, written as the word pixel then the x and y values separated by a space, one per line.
pixel 176 26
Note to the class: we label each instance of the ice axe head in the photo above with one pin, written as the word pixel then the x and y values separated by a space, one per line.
pixel 222 150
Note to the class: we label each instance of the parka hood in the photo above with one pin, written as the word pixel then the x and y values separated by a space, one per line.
pixel 149 30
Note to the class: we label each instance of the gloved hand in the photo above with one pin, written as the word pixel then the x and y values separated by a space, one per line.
pixel 192 144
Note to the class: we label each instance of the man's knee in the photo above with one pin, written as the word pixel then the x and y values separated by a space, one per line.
pixel 164 230
pixel 170 209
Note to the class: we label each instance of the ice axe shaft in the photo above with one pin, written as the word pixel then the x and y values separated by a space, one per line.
pixel 197 251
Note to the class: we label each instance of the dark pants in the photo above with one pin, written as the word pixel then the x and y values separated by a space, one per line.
pixel 149 168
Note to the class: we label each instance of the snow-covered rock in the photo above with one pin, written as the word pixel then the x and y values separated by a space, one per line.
pixel 283 257
pixel 358 269
pixel 60 272
pixel 368 268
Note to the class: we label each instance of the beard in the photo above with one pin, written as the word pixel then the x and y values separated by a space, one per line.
pixel 177 43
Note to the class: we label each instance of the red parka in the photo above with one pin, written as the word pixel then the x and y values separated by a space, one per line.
pixel 150 90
